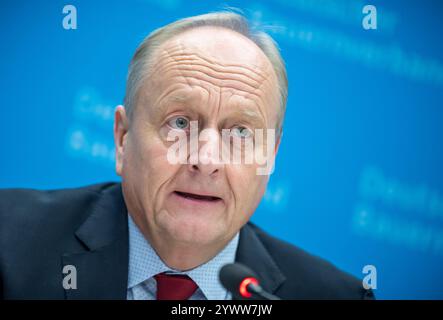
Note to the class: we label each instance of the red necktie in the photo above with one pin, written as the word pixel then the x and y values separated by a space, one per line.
pixel 174 287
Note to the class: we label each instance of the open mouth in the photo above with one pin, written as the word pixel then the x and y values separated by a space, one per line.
pixel 197 197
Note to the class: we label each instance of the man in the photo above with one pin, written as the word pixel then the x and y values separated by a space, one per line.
pixel 173 222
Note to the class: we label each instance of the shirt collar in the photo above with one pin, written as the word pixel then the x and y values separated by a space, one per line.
pixel 144 263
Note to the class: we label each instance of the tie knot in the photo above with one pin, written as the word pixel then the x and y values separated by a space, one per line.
pixel 174 287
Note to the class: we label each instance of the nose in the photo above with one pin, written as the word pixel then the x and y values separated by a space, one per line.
pixel 206 158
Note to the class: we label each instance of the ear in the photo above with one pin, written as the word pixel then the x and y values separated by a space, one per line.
pixel 120 130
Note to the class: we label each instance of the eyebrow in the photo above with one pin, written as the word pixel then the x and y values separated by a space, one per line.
pixel 174 97
pixel 249 114
pixel 168 99
pixel 177 97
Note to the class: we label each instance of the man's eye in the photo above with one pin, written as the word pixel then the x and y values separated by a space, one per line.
pixel 179 122
pixel 241 132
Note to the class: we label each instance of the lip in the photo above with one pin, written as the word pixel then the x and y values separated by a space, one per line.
pixel 198 196
pixel 195 200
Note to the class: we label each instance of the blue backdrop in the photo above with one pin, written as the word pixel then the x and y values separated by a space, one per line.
pixel 359 176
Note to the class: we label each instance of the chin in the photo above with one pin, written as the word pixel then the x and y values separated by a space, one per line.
pixel 193 230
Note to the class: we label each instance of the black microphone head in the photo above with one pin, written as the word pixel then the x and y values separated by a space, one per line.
pixel 233 275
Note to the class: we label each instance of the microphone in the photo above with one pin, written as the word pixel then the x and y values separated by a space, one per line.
pixel 242 282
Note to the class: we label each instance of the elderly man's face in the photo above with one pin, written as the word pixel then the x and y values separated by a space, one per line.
pixel 224 81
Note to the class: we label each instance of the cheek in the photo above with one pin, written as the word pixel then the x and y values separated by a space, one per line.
pixel 248 188
pixel 146 166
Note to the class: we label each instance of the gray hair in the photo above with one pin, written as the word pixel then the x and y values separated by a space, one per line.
pixel 224 19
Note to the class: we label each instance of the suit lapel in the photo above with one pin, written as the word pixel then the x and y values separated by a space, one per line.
pixel 252 253
pixel 102 269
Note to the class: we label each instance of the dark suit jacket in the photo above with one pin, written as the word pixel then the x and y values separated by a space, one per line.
pixel 42 231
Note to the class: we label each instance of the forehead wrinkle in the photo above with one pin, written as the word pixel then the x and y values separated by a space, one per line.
pixel 220 83
pixel 162 66
pixel 217 66
pixel 246 94
pixel 187 76
pixel 263 69
pixel 178 47
pixel 222 80
pixel 176 51
pixel 173 56
pixel 180 50
pixel 187 64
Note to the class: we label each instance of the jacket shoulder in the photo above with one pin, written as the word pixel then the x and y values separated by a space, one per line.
pixel 309 276
pixel 31 208
pixel 36 228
